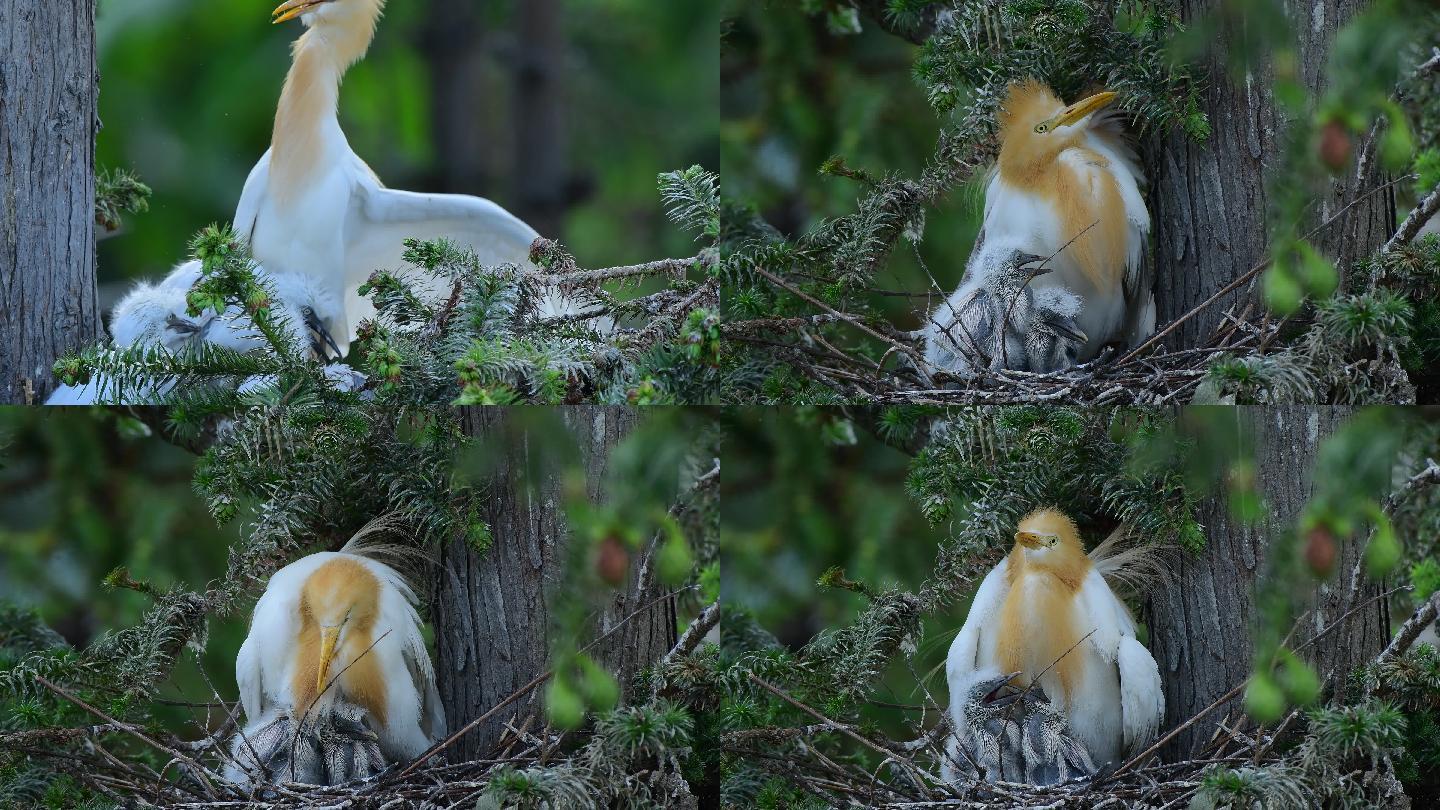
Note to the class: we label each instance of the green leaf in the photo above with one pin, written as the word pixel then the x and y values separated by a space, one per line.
pixel 675 558
pixel 598 685
pixel 1282 293
pixel 563 705
pixel 1299 680
pixel 1383 553
pixel 1317 271
pixel 1264 701
pixel 1397 146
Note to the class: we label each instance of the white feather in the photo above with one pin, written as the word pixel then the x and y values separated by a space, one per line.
pixel 1142 703
pixel 962 666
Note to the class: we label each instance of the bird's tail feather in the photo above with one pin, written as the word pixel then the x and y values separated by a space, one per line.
pixel 1134 568
pixel 407 560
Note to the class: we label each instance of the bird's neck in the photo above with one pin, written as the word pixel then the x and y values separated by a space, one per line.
pixel 1038 627
pixel 306 121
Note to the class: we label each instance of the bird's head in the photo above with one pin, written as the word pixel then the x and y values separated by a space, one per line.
pixel 1035 124
pixel 1048 536
pixel 319 12
pixel 340 596
pixel 1030 262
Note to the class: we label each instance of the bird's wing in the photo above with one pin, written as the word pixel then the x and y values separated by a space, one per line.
pixel 1107 138
pixel 1142 703
pixel 963 658
pixel 381 219
pixel 399 602
pixel 384 218
pixel 249 678
pixel 252 196
pixel 1104 614
pixel 432 711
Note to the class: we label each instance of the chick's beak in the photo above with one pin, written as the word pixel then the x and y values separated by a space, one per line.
pixel 328 637
pixel 1067 328
pixel 290 9
pixel 1084 107
pixel 1035 261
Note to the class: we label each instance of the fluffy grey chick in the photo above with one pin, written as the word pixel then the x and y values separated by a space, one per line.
pixel 331 749
pixel 1053 339
pixel 1007 734
pixel 983 323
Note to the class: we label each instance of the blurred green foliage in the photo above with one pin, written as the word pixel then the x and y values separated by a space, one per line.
pixel 796 92
pixel 88 491
pixel 188 97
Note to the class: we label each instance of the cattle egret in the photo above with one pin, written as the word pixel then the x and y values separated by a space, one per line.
pixel 1007 734
pixel 1066 173
pixel 338 629
pixel 996 320
pixel 1047 613
pixel 312 206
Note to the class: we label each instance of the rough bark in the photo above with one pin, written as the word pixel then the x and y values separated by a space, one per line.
pixel 540 176
pixel 492 610
pixel 48 91
pixel 1209 205
pixel 1201 631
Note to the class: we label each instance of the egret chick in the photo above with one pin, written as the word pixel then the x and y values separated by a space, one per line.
pixel 1047 612
pixel 331 749
pixel 1067 184
pixel 156 314
pixel 1007 734
pixel 335 629
pixel 995 320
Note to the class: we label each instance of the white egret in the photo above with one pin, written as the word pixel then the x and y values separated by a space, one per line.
pixel 335 630
pixel 312 206
pixel 1067 185
pixel 1047 613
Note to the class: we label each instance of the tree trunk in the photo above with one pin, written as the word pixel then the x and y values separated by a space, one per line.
pixel 492 610
pixel 48 91
pixel 540 177
pixel 1201 632
pixel 1209 203
pixel 455 62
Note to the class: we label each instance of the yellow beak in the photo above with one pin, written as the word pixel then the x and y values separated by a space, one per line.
pixel 290 9
pixel 328 637
pixel 1082 108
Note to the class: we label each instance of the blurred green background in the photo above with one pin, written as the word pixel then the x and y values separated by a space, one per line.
pixel 794 94
pixel 444 101
pixel 806 489
pixel 84 491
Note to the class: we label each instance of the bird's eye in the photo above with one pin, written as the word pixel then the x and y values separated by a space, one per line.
pixel 1042 128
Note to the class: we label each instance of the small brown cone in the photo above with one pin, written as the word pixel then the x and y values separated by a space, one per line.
pixel 612 561
pixel 1335 146
pixel 1320 552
